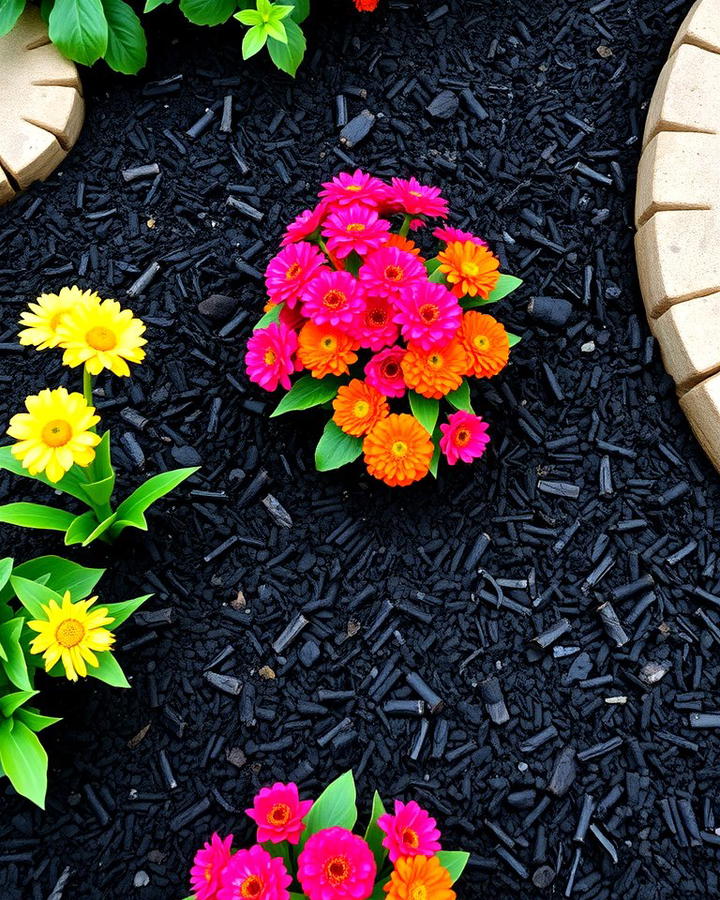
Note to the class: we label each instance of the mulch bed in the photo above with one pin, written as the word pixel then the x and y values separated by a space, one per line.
pixel 295 652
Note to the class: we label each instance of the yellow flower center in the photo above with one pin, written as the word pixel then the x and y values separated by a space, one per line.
pixel 294 270
pixel 69 633
pixel 56 433
pixel 354 187
pixel 101 338
pixel 251 887
pixel 415 193
pixel 361 409
pixel 410 837
pixel 435 361
pixel 334 299
pixel 337 870
pixel 356 226
pixel 329 343
pixel 470 268
pixel 399 449
pixel 429 313
pixel 208 873
pixel 418 892
pixel 269 357
pixel 481 342
pixel 394 273
pixel 462 436
pixel 279 814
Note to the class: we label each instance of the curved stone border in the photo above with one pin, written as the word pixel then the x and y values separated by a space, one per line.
pixel 677 214
pixel 41 105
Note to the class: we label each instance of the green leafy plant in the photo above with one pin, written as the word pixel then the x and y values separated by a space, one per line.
pixel 44 611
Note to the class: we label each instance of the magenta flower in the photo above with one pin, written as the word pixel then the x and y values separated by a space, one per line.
pixel 384 372
pixel 410 832
pixel 269 358
pixel 374 327
pixel 389 270
pixel 409 196
pixel 278 813
pixel 289 272
pixel 465 437
pixel 346 189
pixel 333 298
pixel 305 224
pixel 428 314
pixel 256 875
pixel 336 865
pixel 450 235
pixel 357 228
pixel 208 867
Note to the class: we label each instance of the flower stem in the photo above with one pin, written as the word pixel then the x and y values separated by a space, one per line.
pixel 323 247
pixel 87 386
pixel 405 227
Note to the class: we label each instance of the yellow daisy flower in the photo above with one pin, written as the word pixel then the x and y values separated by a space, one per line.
pixel 40 324
pixel 73 633
pixel 102 335
pixel 54 433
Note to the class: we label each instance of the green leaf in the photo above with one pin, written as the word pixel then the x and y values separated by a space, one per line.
pixel 460 398
pixel 249 17
pixel 14 664
pixel 35 515
pixel 45 9
pixel 119 612
pixel 69 484
pixel 454 861
pixel 307 392
pixel 374 834
pixel 432 265
pixel 208 12
pixel 253 41
pixel 130 513
pixel 288 56
pixel 513 339
pixel 6 567
pixel 34 721
pixel 108 670
pixel 425 411
pixel 24 760
pixel 271 316
pixel 334 807
pixel 301 10
pixel 435 459
pixel 65 575
pixel 276 30
pixel 85 528
pixel 10 702
pixel 10 11
pixel 99 492
pixel 336 449
pixel 438 277
pixel 127 45
pixel 150 5
pixel 506 285
pixel 79 29
pixel 34 595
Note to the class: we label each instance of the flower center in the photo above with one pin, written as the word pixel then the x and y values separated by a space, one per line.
pixel 377 317
pixel 69 633
pixel 334 299
pixel 429 313
pixel 356 226
pixel 410 837
pixel 435 360
pixel 294 270
pixel 393 273
pixel 390 369
pixel 415 193
pixel 462 437
pixel 337 870
pixel 101 338
pixel 279 814
pixel 269 357
pixel 329 343
pixel 418 892
pixel 251 887
pixel 354 187
pixel 399 449
pixel 361 409
pixel 56 433
pixel 470 268
pixel 481 342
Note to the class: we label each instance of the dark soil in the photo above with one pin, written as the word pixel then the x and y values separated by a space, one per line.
pixel 387 580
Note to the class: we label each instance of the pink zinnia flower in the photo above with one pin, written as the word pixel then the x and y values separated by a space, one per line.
pixel 416 199
pixel 465 437
pixel 384 372
pixel 305 224
pixel 387 271
pixel 269 359
pixel 333 298
pixel 278 813
pixel 428 314
pixel 336 865
pixel 255 874
pixel 357 228
pixel 410 832
pixel 450 235
pixel 374 327
pixel 208 867
pixel 360 187
pixel 289 272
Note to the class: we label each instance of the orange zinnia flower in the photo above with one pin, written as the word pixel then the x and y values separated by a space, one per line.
pixel 437 371
pixel 469 268
pixel 366 5
pixel 403 243
pixel 419 876
pixel 398 450
pixel 324 350
pixel 358 406
pixel 486 343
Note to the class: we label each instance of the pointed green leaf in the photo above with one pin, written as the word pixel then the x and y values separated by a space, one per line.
pixel 270 316
pixel 208 12
pixel 85 528
pixel 432 265
pixel 276 30
pixel 150 5
pixel 454 861
pixel 334 807
pixel 10 11
pixel 131 512
pixel 35 515
pixel 438 277
pixel 10 702
pixel 506 285
pixel 108 670
pixel 335 448
pixel 65 575
pixel 301 10
pixel 460 398
pixel 23 760
pixel 79 29
pixel 119 612
pixel 425 411
pixel 374 835
pixel 69 484
pixel 513 339
pixel 99 492
pixel 6 567
pixel 127 46
pixel 14 664
pixel 33 719
pixel 249 17
pixel 34 595
pixel 435 459
pixel 253 41
pixel 307 392
pixel 288 56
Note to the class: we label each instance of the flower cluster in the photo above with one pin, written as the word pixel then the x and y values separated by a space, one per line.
pixel 374 325
pixel 400 852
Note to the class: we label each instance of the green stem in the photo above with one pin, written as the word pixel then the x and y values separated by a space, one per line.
pixel 405 227
pixel 323 247
pixel 87 386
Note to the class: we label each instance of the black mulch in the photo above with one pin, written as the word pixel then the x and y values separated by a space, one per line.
pixel 595 490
